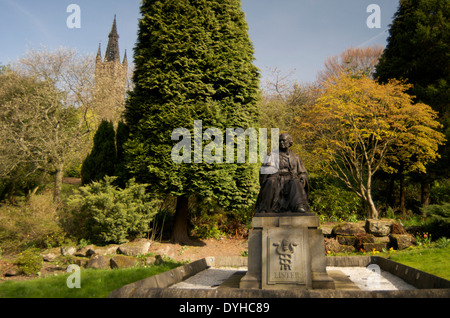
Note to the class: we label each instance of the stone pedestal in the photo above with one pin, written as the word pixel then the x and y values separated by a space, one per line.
pixel 286 251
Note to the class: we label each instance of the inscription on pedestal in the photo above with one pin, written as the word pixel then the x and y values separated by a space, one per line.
pixel 286 259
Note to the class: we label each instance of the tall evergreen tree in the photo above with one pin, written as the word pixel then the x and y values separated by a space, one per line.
pixel 418 51
pixel 101 161
pixel 193 61
pixel 120 170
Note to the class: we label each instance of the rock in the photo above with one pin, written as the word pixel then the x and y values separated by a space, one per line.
pixel 378 227
pixel 332 245
pixel 122 261
pixel 397 228
pixel 48 257
pixel 401 241
pixel 348 228
pixel 363 238
pixel 327 229
pixel 98 262
pixel 83 252
pixel 381 239
pixel 51 254
pixel 154 260
pixel 346 248
pixel 15 271
pixel 68 250
pixel 137 247
pixel 369 247
pixel 102 250
pixel 81 261
pixel 346 239
pixel 169 251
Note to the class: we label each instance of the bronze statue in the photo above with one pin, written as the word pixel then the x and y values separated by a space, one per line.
pixel 284 182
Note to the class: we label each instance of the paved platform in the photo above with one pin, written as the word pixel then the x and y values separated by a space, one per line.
pixel 218 277
pixel 345 278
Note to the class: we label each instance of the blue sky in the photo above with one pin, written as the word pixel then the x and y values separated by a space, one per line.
pixel 292 35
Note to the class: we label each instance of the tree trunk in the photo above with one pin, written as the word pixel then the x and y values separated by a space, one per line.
pixel 390 191
pixel 425 192
pixel 373 213
pixel 58 182
pixel 402 190
pixel 180 230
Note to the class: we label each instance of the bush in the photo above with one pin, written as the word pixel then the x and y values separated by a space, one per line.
pixel 440 191
pixel 104 213
pixel 438 219
pixel 335 203
pixel 101 160
pixel 29 261
pixel 33 223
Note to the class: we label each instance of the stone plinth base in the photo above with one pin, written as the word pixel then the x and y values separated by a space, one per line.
pixel 286 252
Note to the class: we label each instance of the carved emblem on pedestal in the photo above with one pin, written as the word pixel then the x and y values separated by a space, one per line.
pixel 285 250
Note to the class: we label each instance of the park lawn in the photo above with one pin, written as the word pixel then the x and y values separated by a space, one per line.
pixel 433 260
pixel 95 283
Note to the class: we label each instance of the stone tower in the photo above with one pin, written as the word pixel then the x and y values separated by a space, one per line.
pixel 110 79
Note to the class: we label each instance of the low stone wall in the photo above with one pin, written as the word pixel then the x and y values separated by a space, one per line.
pixel 410 275
pixel 366 236
pixel 430 286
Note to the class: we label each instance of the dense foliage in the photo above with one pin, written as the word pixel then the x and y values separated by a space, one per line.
pixel 104 213
pixel 358 127
pixel 418 53
pixel 101 161
pixel 193 62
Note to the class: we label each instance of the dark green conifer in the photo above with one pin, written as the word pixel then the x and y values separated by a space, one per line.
pixel 102 159
pixel 418 51
pixel 193 61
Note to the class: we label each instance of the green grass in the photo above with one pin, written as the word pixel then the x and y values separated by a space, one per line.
pixel 433 260
pixel 95 283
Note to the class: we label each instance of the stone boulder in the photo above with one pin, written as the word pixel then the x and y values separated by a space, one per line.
pixel 369 247
pixel 102 250
pixel 348 228
pixel 68 250
pixel 154 260
pixel 137 247
pixel 361 239
pixel 91 249
pixel 332 245
pixel 401 241
pixel 81 261
pixel 379 227
pixel 14 271
pixel 327 229
pixel 346 239
pixel 51 254
pixel 83 252
pixel 122 261
pixel 98 262
pixel 346 249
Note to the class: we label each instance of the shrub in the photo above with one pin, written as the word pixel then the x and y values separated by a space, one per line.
pixel 105 213
pixel 29 261
pixel 438 219
pixel 440 192
pixel 335 203
pixel 102 159
pixel 33 223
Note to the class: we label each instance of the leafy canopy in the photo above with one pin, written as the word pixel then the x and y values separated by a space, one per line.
pixel 358 126
pixel 193 62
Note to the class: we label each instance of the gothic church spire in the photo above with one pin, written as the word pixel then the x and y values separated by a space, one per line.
pixel 112 50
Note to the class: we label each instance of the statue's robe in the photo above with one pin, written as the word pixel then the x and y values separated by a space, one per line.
pixel 284 184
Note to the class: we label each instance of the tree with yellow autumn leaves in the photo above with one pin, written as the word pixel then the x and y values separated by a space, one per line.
pixel 358 127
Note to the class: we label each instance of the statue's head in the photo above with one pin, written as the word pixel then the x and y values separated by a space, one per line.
pixel 285 141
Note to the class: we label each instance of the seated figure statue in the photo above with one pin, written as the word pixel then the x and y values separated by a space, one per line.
pixel 284 182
